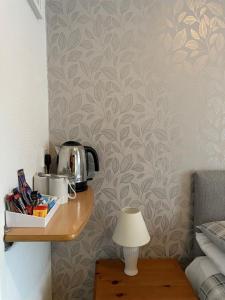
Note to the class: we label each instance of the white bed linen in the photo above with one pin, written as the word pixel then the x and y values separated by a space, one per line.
pixel 212 251
pixel 199 270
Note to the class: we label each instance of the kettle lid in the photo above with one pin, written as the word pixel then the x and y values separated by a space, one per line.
pixel 71 143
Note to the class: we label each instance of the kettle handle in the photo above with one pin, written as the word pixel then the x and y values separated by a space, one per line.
pixel 95 156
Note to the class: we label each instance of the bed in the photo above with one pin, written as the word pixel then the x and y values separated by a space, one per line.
pixel 208 196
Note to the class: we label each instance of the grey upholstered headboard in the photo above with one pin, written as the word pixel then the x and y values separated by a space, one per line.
pixel 208 195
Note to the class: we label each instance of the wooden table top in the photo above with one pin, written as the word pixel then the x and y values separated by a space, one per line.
pixel 157 279
pixel 65 225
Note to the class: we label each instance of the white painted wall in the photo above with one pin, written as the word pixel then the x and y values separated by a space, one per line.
pixel 25 270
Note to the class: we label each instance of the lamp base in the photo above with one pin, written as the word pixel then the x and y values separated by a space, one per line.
pixel 130 258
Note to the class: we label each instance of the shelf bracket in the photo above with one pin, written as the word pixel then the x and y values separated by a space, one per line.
pixel 8 245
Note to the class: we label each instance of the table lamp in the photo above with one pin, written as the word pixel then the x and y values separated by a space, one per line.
pixel 131 233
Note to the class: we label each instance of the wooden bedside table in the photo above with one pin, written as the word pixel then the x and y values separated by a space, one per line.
pixel 156 279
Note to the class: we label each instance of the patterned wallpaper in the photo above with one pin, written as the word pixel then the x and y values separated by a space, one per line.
pixel 142 82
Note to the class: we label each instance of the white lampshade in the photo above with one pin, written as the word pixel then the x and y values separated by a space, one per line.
pixel 131 230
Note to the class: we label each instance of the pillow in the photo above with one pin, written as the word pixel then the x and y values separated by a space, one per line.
pixel 212 251
pixel 215 231
pixel 199 270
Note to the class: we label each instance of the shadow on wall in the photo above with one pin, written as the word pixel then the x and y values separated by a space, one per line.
pixel 19 279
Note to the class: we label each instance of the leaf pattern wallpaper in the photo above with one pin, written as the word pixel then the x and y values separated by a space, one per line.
pixel 143 82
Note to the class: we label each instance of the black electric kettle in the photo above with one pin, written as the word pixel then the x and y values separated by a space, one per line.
pixel 74 161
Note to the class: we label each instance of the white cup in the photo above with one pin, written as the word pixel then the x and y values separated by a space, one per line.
pixel 41 184
pixel 59 187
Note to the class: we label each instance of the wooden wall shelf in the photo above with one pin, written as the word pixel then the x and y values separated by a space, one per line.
pixel 66 224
